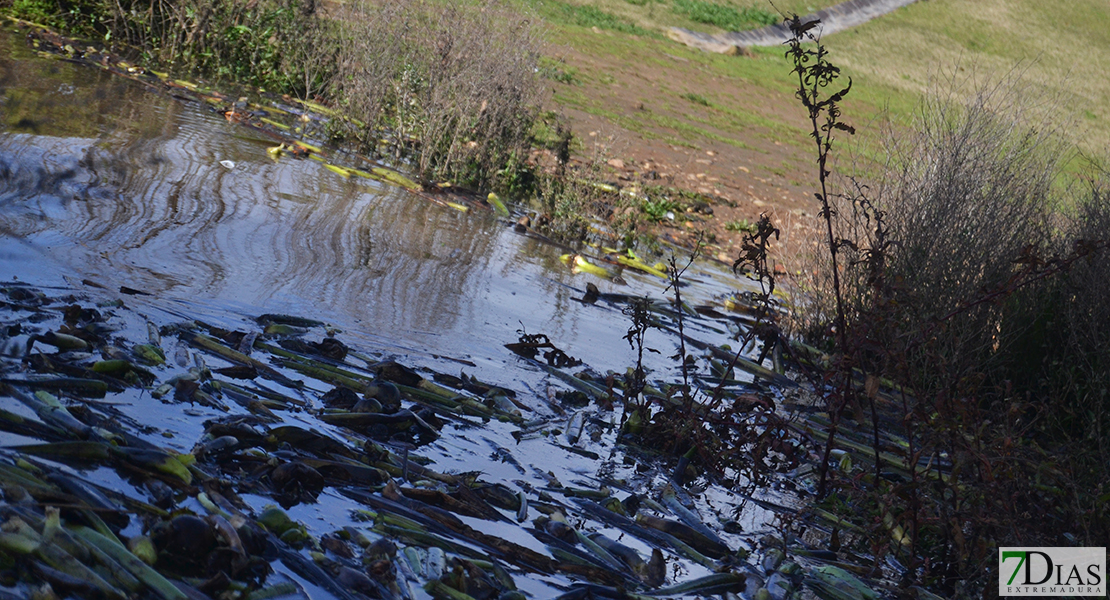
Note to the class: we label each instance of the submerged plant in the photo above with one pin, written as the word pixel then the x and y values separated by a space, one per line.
pixel 674 282
pixel 640 316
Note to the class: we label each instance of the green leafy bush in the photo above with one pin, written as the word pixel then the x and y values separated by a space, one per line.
pixel 279 45
pixel 80 16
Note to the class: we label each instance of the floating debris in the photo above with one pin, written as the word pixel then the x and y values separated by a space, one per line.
pixel 294 415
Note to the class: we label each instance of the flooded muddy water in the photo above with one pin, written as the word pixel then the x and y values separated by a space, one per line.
pixel 106 182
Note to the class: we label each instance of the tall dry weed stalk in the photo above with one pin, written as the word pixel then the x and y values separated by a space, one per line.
pixel 815 74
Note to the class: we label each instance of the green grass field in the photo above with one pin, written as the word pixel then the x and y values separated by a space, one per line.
pixel 655 16
pixel 1057 49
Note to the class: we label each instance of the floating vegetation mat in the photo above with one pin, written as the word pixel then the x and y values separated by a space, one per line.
pixel 98 388
pixel 158 448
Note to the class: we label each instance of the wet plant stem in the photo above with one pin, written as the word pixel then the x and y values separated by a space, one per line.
pixel 754 254
pixel 675 283
pixel 638 312
pixel 718 392
pixel 875 432
pixel 915 498
pixel 676 275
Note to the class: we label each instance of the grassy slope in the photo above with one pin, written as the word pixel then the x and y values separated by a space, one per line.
pixel 716 115
pixel 658 15
pixel 1059 47
pixel 614 56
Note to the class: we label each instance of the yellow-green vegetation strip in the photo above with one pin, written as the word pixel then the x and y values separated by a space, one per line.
pixel 638 264
pixel 654 17
pixel 274 123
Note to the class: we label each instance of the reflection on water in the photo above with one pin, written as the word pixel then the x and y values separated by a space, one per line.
pixel 103 179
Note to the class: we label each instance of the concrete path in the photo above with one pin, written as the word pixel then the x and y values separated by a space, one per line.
pixel 833 19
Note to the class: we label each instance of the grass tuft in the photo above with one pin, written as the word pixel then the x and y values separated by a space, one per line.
pixel 695 98
pixel 724 16
pixel 591 16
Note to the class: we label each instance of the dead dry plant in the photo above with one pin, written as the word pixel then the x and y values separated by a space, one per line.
pixel 965 188
pixel 975 283
pixel 453 84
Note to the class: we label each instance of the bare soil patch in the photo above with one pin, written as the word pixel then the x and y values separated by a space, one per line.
pixel 761 171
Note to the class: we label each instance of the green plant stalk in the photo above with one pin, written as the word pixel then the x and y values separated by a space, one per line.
pixel 154 580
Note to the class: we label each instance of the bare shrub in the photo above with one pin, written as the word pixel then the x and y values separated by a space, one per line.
pixel 1086 311
pixel 1064 361
pixel 962 191
pixel 971 191
pixel 967 286
pixel 454 81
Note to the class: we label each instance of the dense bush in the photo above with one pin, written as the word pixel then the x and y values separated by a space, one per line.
pixel 269 43
pixel 962 192
pixel 79 16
